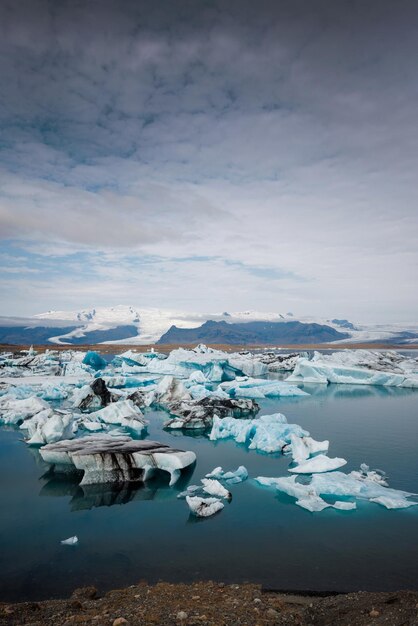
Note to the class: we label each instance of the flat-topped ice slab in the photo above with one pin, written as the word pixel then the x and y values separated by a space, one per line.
pixel 106 459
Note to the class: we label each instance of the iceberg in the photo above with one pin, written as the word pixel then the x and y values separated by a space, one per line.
pixel 337 484
pixel 168 390
pixel 357 367
pixel 16 411
pixel 318 464
pixel 204 507
pixel 245 387
pixel 94 395
pixel 196 414
pixel 107 459
pixel 269 433
pixel 238 476
pixel 48 427
pixel 71 541
pixel 94 360
pixel 122 413
pixel 214 488
pixel 304 447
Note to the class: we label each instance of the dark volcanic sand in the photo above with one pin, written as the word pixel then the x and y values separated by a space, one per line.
pixel 215 604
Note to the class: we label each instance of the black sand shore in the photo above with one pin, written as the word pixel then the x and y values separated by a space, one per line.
pixel 213 604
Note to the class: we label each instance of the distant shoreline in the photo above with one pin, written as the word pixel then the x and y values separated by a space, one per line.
pixel 107 348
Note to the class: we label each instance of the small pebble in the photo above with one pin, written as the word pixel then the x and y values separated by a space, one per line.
pixel 120 621
pixel 374 613
pixel 182 615
pixel 272 613
pixel 257 600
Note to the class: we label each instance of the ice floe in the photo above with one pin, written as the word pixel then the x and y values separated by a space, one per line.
pixel 337 484
pixel 318 464
pixel 196 414
pixel 269 433
pixel 106 459
pixel 357 367
pixel 204 507
pixel 246 387
pixel 238 476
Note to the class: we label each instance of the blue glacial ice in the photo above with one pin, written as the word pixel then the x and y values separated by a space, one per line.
pixel 337 484
pixel 357 367
pixel 269 433
pixel 232 477
pixel 246 387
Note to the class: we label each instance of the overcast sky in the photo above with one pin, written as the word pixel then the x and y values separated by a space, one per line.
pixel 207 156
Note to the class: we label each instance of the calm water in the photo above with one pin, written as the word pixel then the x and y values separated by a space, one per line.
pixel 131 534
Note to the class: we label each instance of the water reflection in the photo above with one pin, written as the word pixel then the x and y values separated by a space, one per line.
pixel 86 497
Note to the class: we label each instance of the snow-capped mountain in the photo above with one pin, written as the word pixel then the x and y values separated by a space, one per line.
pixel 139 326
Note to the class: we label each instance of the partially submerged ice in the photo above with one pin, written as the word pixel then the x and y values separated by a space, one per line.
pixel 199 414
pixel 269 433
pixel 246 387
pixel 214 364
pixel 204 507
pixel 107 459
pixel 357 367
pixel 232 477
pixel 318 464
pixel 123 413
pixel 337 485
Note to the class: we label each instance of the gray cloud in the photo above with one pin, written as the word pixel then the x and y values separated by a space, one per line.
pixel 276 135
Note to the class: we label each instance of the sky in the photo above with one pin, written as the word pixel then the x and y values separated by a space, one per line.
pixel 209 156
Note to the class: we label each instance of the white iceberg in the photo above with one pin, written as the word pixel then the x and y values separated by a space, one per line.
pixel 122 413
pixel 204 507
pixel 238 476
pixel 318 464
pixel 357 367
pixel 245 387
pixel 304 447
pixel 214 488
pixel 269 433
pixel 15 411
pixel 337 484
pixel 71 541
pixel 107 459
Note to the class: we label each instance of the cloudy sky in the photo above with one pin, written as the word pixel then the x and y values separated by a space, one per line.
pixel 210 155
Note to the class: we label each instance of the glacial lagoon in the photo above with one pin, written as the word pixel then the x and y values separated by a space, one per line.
pixel 129 533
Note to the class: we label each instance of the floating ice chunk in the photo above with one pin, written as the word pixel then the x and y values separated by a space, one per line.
pixel 238 476
pixel 191 489
pixel 71 541
pixel 357 367
pixel 313 503
pixel 365 473
pixel 318 464
pixel 393 502
pixel 288 485
pixel 344 506
pixel 304 447
pixel 122 413
pixel 260 388
pixel 49 427
pixel 214 488
pixel 204 507
pixel 94 360
pixel 106 459
pixel 269 433
pixel 170 389
pixel 14 411
pixel 192 414
pixel 92 426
